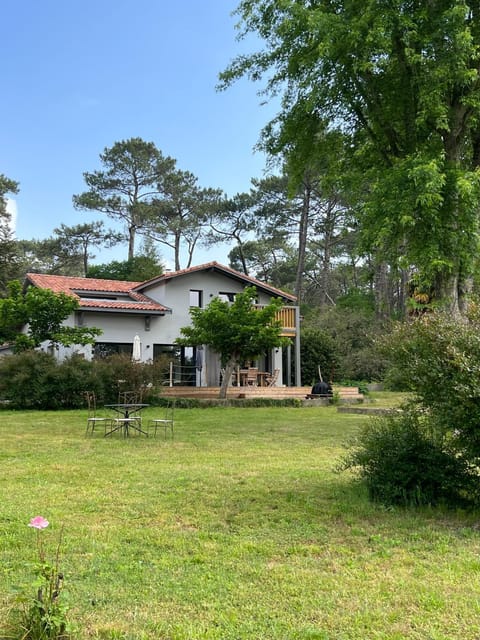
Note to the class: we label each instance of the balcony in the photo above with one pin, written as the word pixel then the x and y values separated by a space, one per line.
pixel 288 320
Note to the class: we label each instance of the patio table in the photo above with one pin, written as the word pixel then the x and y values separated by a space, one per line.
pixel 125 409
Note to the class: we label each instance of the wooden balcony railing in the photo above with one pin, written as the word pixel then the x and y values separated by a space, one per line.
pixel 287 317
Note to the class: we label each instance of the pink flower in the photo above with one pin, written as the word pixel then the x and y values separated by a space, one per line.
pixel 38 523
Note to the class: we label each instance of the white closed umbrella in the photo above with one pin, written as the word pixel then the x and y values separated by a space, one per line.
pixel 137 349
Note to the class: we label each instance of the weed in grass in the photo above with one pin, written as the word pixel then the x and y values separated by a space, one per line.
pixel 42 616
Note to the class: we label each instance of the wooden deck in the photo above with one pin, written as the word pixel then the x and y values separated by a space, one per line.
pixel 346 394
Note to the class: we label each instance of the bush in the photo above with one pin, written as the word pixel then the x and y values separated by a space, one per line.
pixel 350 349
pixel 317 349
pixel 23 378
pixel 438 358
pixel 402 463
pixel 35 380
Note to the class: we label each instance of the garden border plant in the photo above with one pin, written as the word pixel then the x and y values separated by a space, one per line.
pixel 36 380
pixel 430 452
pixel 42 613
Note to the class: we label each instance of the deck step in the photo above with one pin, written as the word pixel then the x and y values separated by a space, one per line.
pixel 344 393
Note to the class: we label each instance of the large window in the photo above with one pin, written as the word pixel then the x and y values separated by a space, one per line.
pixel 184 359
pixel 105 349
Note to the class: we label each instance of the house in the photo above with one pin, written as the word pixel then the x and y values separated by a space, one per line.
pixel 156 310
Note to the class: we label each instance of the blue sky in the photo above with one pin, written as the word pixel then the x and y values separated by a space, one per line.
pixel 79 75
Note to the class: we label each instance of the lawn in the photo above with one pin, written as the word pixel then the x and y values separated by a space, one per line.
pixel 239 528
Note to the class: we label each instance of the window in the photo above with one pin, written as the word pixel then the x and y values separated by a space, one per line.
pixel 184 362
pixel 227 296
pixel 105 349
pixel 195 298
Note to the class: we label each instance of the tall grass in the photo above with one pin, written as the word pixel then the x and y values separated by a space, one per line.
pixel 238 528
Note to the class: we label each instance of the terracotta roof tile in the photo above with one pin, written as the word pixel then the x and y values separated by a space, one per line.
pixel 80 288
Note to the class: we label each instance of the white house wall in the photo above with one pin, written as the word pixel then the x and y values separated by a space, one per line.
pixel 175 294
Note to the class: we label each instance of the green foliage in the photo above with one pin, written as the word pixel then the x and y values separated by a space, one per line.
pixel 353 335
pixel 43 312
pixel 22 378
pixel 399 81
pixel 137 269
pixel 123 190
pixel 8 255
pixel 318 349
pixel 118 372
pixel 142 188
pixel 35 380
pixel 77 241
pixel 402 463
pixel 237 331
pixel 438 357
pixel 431 452
pixel 43 616
pixel 357 300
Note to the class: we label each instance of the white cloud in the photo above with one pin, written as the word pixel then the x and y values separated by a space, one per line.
pixel 12 210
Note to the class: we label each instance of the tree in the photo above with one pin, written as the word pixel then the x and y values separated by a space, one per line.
pixel 234 222
pixel 400 80
pixel 310 216
pixel 269 259
pixel 318 350
pixel 237 331
pixel 43 312
pixel 428 452
pixel 79 240
pixel 7 242
pixel 180 212
pixel 125 188
pixel 138 269
pixel 49 255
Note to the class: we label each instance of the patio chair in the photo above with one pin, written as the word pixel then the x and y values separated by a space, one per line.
pixel 252 377
pixel 130 397
pixel 166 422
pixel 93 419
pixel 271 378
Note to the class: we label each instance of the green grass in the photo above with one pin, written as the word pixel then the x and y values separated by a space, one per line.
pixel 237 529
pixel 386 398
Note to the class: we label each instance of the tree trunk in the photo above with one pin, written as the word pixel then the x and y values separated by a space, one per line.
pixel 302 240
pixel 449 291
pixel 328 241
pixel 177 251
pixel 229 367
pixel 381 291
pixel 131 242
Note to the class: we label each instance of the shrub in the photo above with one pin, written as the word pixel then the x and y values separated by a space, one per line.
pixel 35 380
pixel 23 378
pixel 402 463
pixel 350 349
pixel 438 358
pixel 317 349
pixel 118 372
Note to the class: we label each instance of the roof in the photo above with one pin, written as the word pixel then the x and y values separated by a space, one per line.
pixel 96 294
pixel 220 268
pixel 99 295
